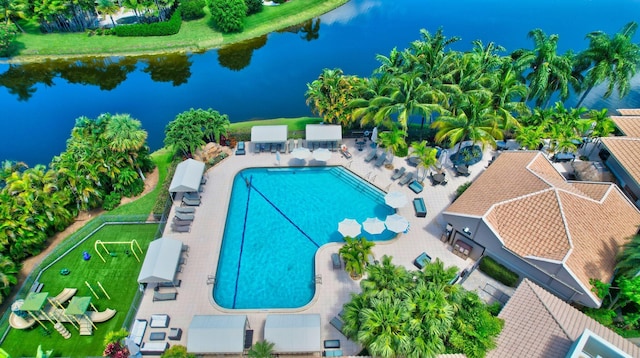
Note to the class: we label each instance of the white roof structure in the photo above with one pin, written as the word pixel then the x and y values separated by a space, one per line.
pixel 323 132
pixel 161 261
pixel 293 333
pixel 187 176
pixel 269 134
pixel 222 334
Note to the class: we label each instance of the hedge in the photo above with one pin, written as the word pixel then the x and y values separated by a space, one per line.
pixel 498 272
pixel 165 28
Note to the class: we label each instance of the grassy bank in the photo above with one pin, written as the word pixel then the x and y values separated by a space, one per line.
pixel 194 36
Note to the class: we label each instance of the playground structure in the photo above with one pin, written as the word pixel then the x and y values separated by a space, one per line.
pixel 133 244
pixel 40 307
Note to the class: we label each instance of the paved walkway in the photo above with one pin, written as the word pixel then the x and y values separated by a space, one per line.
pixel 195 293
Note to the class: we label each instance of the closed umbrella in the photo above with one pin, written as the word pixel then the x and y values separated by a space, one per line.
pixel 396 223
pixel 349 227
pixel 395 199
pixel 321 154
pixel 301 153
pixel 374 135
pixel 373 226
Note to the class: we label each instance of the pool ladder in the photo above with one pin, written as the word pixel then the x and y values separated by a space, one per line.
pixel 318 279
pixel 210 279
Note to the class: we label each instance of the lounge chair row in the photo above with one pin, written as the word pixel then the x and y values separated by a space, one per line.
pixel 164 296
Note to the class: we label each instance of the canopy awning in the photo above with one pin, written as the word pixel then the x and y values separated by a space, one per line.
pixel 269 134
pixel 34 301
pixel 78 305
pixel 222 334
pixel 161 261
pixel 323 132
pixel 187 176
pixel 293 333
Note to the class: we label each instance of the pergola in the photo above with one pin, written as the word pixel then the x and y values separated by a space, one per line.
pixel 161 261
pixel 187 177
pixel 220 334
pixel 293 333
pixel 323 133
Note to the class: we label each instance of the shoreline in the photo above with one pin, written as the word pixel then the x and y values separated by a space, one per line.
pixel 197 46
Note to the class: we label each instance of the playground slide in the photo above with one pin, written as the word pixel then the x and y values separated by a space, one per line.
pixel 65 295
pixel 98 317
pixel 18 322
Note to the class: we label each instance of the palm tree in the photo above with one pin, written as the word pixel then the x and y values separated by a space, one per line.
pixel 330 95
pixel 354 253
pixel 107 7
pixel 629 258
pixel 392 140
pixel 610 59
pixel 12 10
pixel 549 72
pixel 262 349
pixel 385 330
pixel 8 276
pixel 125 135
pixel 215 124
pixel 385 279
pixel 426 156
pixel 184 133
pixel 530 137
pixel 507 96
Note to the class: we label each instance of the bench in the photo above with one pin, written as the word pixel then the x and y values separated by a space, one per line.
pixel 137 331
pixel 419 207
pixel 169 296
pixel 416 187
pixel 36 287
pixel 422 260
pixel 332 343
pixel 333 353
pixel 154 348
pixel 159 321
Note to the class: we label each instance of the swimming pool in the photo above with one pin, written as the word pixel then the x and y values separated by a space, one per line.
pixel 277 220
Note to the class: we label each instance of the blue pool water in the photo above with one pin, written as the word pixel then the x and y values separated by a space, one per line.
pixel 275 226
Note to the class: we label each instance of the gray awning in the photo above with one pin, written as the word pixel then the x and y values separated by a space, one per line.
pixel 323 132
pixel 269 134
pixel 187 176
pixel 293 333
pixel 216 334
pixel 161 261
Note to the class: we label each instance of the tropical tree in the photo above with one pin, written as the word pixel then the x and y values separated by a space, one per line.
pixel 8 276
pixel 426 156
pixel 330 95
pixel 108 7
pixel 614 60
pixel 125 135
pixel 13 10
pixel 177 351
pixel 392 140
pixel 214 124
pixel 530 137
pixel 354 253
pixel 40 353
pixel 628 260
pixel 261 349
pixel 546 71
pixel 8 34
pixel 228 15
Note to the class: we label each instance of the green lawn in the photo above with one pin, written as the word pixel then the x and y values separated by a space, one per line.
pixel 296 126
pixel 194 36
pixel 118 276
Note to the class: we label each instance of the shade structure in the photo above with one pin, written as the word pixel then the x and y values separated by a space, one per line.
pixel 220 334
pixel 293 333
pixel 269 134
pixel 323 132
pixel 300 153
pixel 187 176
pixel 373 226
pixel 396 223
pixel 78 305
pixel 34 301
pixel 349 227
pixel 395 199
pixel 321 154
pixel 161 261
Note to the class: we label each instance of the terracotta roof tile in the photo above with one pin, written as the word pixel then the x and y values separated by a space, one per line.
pixel 629 112
pixel 628 125
pixel 595 191
pixel 538 324
pixel 627 152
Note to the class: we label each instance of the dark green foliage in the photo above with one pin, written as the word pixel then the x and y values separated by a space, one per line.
pixel 8 33
pixel 166 28
pixel 253 6
pixel 602 315
pixel 192 9
pixel 462 188
pixel 228 15
pixel 495 308
pixel 499 272
pixel 111 201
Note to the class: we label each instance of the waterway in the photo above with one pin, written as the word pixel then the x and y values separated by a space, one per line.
pixel 266 77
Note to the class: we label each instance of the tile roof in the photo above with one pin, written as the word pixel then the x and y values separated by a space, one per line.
pixel 538 324
pixel 626 151
pixel 537 213
pixel 629 112
pixel 629 125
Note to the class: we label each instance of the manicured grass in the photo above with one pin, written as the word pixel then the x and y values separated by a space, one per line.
pixel 118 276
pixel 296 126
pixel 194 36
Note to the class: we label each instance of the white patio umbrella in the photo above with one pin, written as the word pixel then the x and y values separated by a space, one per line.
pixel 373 226
pixel 349 227
pixel 321 154
pixel 301 153
pixel 395 199
pixel 396 223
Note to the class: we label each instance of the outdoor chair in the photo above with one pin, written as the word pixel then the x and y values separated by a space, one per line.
pixel 398 173
pixel 178 222
pixel 371 156
pixel 180 228
pixel 159 321
pixel 164 296
pixel 185 217
pixel 190 202
pixel 381 159
pixel 422 260
pixel 335 259
pixel 416 187
pixel 337 323
pixel 189 210
pixel 406 179
pixel 240 148
pixel 419 207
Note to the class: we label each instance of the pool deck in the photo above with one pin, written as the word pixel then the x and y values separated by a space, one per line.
pixel 204 240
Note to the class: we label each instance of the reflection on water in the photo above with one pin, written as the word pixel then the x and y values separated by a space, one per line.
pixel 309 30
pixel 104 72
pixel 238 56
pixel 349 11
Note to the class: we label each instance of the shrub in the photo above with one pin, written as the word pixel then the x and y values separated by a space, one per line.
pixel 253 6
pixel 461 189
pixel 192 9
pixel 228 15
pixel 166 28
pixel 495 308
pixel 111 201
pixel 498 272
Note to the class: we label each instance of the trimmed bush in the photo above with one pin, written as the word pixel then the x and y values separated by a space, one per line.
pixel 461 189
pixel 498 272
pixel 253 6
pixel 228 15
pixel 166 28
pixel 192 9
pixel 111 201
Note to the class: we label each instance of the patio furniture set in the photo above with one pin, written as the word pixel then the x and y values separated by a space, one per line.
pixel 156 344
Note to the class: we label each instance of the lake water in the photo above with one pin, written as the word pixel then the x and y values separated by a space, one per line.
pixel 267 77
